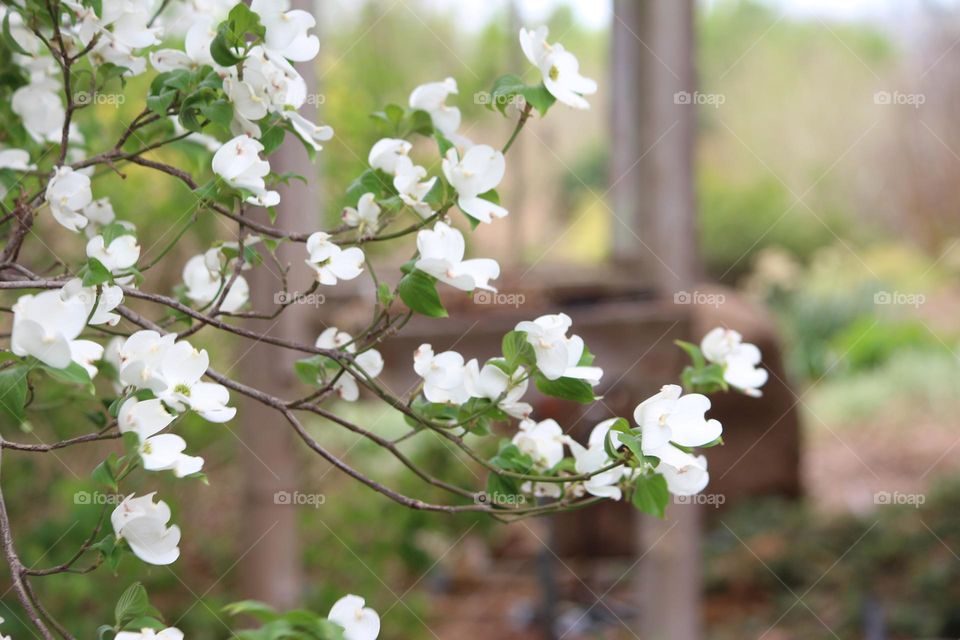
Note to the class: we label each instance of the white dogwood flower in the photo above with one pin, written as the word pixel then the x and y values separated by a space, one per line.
pixel 162 452
pixel 432 98
pixel 358 621
pixel 143 524
pixel 441 255
pixel 196 53
pixel 331 262
pixel 170 633
pixel 109 298
pixel 16 160
pixel 286 31
pixel 413 189
pixel 46 325
pixel 591 460
pixel 685 473
pixel 365 215
pixel 559 67
pixel 68 192
pixel 479 170
pixel 738 358
pixel 492 382
pixel 238 162
pixel 543 441
pixel 443 375
pixel 370 361
pixel 121 254
pixel 670 416
pixel 41 109
pixel 390 155
pixel 204 282
pixel 558 356
pixel 99 214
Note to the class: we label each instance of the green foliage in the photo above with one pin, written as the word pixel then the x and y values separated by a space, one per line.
pixel 419 292
pixel 650 495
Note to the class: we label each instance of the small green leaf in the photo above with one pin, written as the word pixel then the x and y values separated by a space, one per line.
pixel 565 388
pixel 133 603
pixel 13 393
pixel 650 495
pixel 517 351
pixel 419 292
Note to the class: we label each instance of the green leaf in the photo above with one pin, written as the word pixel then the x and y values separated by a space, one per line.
pixel 73 374
pixel 517 351
pixel 113 231
pixel 692 350
pixel 308 370
pixel 133 603
pixel 219 112
pixel 539 97
pixel 419 292
pixel 160 103
pixel 13 393
pixel 565 388
pixel 8 38
pixel 95 273
pixel 105 474
pixel 650 495
pixel 220 49
pixel 252 608
pixel 384 294
pixel 272 138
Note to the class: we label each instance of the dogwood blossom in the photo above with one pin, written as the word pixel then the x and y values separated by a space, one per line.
pixel 99 213
pixel 441 255
pixel 390 155
pixel 543 441
pixel 16 160
pixel 67 194
pixel 413 189
pixel 492 382
pixel 331 262
pixel 369 361
pixel 444 379
pixel 162 452
pixel 590 461
pixel 559 67
pixel 432 98
pixel 479 170
pixel 685 473
pixel 365 215
pixel 670 416
pixel 143 524
pixel 238 162
pixel 196 53
pixel 170 633
pixel 558 356
pixel 110 297
pixel 739 359
pixel 46 326
pixel 173 371
pixel 121 254
pixel 359 622
pixel 41 109
pixel 286 31
pixel 204 282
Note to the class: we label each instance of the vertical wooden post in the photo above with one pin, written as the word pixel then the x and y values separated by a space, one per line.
pixel 652 190
pixel 271 568
pixel 653 134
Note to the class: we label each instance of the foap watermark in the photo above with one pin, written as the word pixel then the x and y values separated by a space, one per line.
pixel 295 297
pixel 501 499
pixel 84 98
pixel 899 298
pixel 715 500
pixel 696 98
pixel 316 99
pixel 299 499
pixel 495 298
pixel 487 98
pixel 700 298
pixel 97 498
pixel 899 98
pixel 897 497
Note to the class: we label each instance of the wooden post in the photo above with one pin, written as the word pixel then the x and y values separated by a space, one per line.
pixel 652 190
pixel 653 134
pixel 271 568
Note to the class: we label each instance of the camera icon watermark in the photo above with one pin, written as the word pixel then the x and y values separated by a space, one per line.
pixel 715 500
pixel 898 98
pixel 487 98
pixel 714 100
pixel 898 498
pixel 287 298
pixel 900 298
pixel 97 498
pixel 499 499
pixel 85 98
pixel 299 499
pixel 699 298
pixel 495 298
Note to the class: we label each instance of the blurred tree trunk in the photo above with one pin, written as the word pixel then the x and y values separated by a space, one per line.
pixel 271 568
pixel 652 188
pixel 653 134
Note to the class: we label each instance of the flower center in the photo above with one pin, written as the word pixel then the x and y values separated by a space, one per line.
pixel 554 73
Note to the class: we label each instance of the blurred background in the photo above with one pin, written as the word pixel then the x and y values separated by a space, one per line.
pixel 789 168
